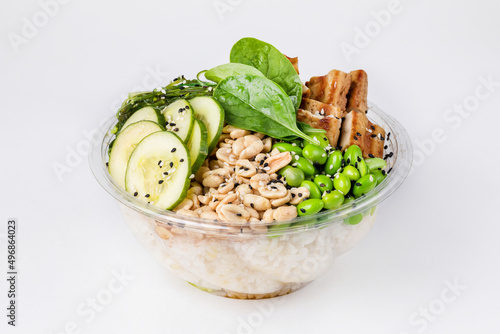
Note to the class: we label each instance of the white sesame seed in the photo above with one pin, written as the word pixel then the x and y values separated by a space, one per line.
pixel 267 168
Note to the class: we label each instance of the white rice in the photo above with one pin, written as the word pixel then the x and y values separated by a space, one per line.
pixel 252 265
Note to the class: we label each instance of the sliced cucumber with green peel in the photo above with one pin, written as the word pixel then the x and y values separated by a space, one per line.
pixel 198 145
pixel 179 118
pixel 124 145
pixel 158 170
pixel 211 113
pixel 145 114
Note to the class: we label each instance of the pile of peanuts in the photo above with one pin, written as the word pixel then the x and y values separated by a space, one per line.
pixel 238 185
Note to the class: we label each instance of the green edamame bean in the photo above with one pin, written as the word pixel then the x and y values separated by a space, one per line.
pixel 375 163
pixel 364 185
pixel 351 172
pixel 362 167
pixel 310 207
pixel 379 176
pixel 286 147
pixel 292 175
pixel 333 200
pixel 314 191
pixel 306 166
pixel 356 219
pixel 315 153
pixel 348 199
pixel 342 183
pixel 352 155
pixel 324 183
pixel 320 139
pixel 333 162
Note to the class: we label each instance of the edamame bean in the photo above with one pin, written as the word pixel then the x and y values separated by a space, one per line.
pixel 356 219
pixel 362 167
pixel 333 163
pixel 324 183
pixel 310 207
pixel 306 166
pixel 314 191
pixel 351 172
pixel 315 153
pixel 292 175
pixel 333 200
pixel 375 163
pixel 348 199
pixel 379 176
pixel 320 139
pixel 364 185
pixel 286 147
pixel 342 183
pixel 352 155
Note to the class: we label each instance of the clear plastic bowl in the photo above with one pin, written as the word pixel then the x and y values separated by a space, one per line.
pixel 237 262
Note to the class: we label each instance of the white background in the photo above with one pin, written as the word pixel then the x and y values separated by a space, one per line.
pixel 441 226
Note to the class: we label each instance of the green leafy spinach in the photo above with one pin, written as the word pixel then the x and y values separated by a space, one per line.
pixel 258 104
pixel 218 73
pixel 271 62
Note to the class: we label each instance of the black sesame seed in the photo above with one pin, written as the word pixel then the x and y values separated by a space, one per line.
pixel 322 185
pixel 293 195
pixel 173 124
pixel 348 161
pixel 358 184
pixel 261 162
pixel 251 205
pixel 182 160
pixel 389 170
pixel 355 138
pixel 223 185
pixel 359 159
pixel 173 150
pixel 171 164
pixel 383 172
pixel 230 203
pixel 249 186
pixel 236 184
pixel 325 139
pixel 303 210
pixel 328 191
pixel 359 134
pixel 187 107
pixel 273 187
pixel 299 194
pixel 136 193
pixel 371 155
pixel 160 182
pixel 373 136
pixel 356 164
pixel 107 164
pixel 266 164
pixel 147 195
pixel 176 130
pixel 239 215
pixel 385 147
pixel 165 173
pixel 159 162
pixel 373 128
pixel 181 110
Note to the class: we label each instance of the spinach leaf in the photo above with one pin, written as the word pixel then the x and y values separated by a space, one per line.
pixel 271 62
pixel 258 104
pixel 309 130
pixel 218 73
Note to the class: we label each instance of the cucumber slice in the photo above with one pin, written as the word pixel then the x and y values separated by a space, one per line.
pixel 198 145
pixel 145 114
pixel 158 170
pixel 179 118
pixel 124 145
pixel 211 113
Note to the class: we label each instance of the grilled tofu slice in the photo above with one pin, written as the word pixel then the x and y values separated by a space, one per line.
pixel 329 123
pixel 321 108
pixel 295 63
pixel 374 141
pixel 357 98
pixel 354 129
pixel 331 88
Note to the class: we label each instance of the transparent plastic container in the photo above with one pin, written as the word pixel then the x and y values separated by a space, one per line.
pixel 237 262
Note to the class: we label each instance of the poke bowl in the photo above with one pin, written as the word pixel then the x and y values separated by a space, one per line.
pixel 234 248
